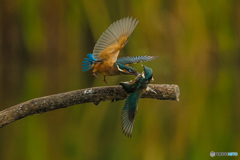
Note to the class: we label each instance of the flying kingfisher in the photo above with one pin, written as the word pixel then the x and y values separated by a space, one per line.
pixel 104 58
pixel 134 89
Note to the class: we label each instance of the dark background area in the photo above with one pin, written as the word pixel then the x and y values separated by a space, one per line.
pixel 42 46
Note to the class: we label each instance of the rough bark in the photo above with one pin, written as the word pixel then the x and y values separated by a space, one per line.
pixel 95 95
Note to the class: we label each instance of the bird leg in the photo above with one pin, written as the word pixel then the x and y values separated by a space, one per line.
pixel 94 74
pixel 105 80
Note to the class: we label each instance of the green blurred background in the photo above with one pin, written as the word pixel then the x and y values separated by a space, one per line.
pixel 42 46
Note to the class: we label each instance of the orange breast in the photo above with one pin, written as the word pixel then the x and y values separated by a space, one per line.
pixel 106 69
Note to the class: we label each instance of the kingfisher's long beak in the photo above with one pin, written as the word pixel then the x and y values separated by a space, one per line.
pixel 136 73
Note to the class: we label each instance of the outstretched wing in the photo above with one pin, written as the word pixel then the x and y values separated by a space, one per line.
pixel 129 111
pixel 135 59
pixel 114 39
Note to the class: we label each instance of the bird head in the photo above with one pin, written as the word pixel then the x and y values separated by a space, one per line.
pixel 126 70
pixel 147 74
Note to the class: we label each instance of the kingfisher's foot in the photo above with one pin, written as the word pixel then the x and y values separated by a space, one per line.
pixel 104 80
pixel 94 74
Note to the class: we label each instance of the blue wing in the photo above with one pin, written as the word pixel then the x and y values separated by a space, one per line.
pixel 135 59
pixel 129 111
pixel 87 64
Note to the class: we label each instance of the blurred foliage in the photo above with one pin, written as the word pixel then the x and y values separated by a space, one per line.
pixel 43 43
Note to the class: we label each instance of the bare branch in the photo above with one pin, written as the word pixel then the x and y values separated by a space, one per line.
pixel 95 95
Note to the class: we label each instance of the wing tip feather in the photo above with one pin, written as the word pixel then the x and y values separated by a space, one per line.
pixel 113 32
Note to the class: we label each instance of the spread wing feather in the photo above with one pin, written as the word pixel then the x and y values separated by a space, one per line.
pixel 129 112
pixel 135 59
pixel 113 39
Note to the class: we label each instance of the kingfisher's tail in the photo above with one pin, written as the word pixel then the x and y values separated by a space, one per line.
pixel 87 64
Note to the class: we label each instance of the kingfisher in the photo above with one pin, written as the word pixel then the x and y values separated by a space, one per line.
pixel 104 58
pixel 134 89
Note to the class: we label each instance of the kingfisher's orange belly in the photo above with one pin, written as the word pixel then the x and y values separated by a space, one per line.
pixel 106 69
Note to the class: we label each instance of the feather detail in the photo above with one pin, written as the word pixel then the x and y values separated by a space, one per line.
pixel 129 112
pixel 113 39
pixel 88 63
pixel 135 59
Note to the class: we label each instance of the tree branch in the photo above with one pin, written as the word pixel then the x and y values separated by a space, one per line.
pixel 95 95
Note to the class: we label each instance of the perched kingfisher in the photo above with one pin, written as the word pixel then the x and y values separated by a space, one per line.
pixel 104 58
pixel 134 89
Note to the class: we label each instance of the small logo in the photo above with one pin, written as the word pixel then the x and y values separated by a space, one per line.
pixel 212 153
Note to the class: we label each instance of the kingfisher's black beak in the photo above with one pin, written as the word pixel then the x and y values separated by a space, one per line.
pixel 136 73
